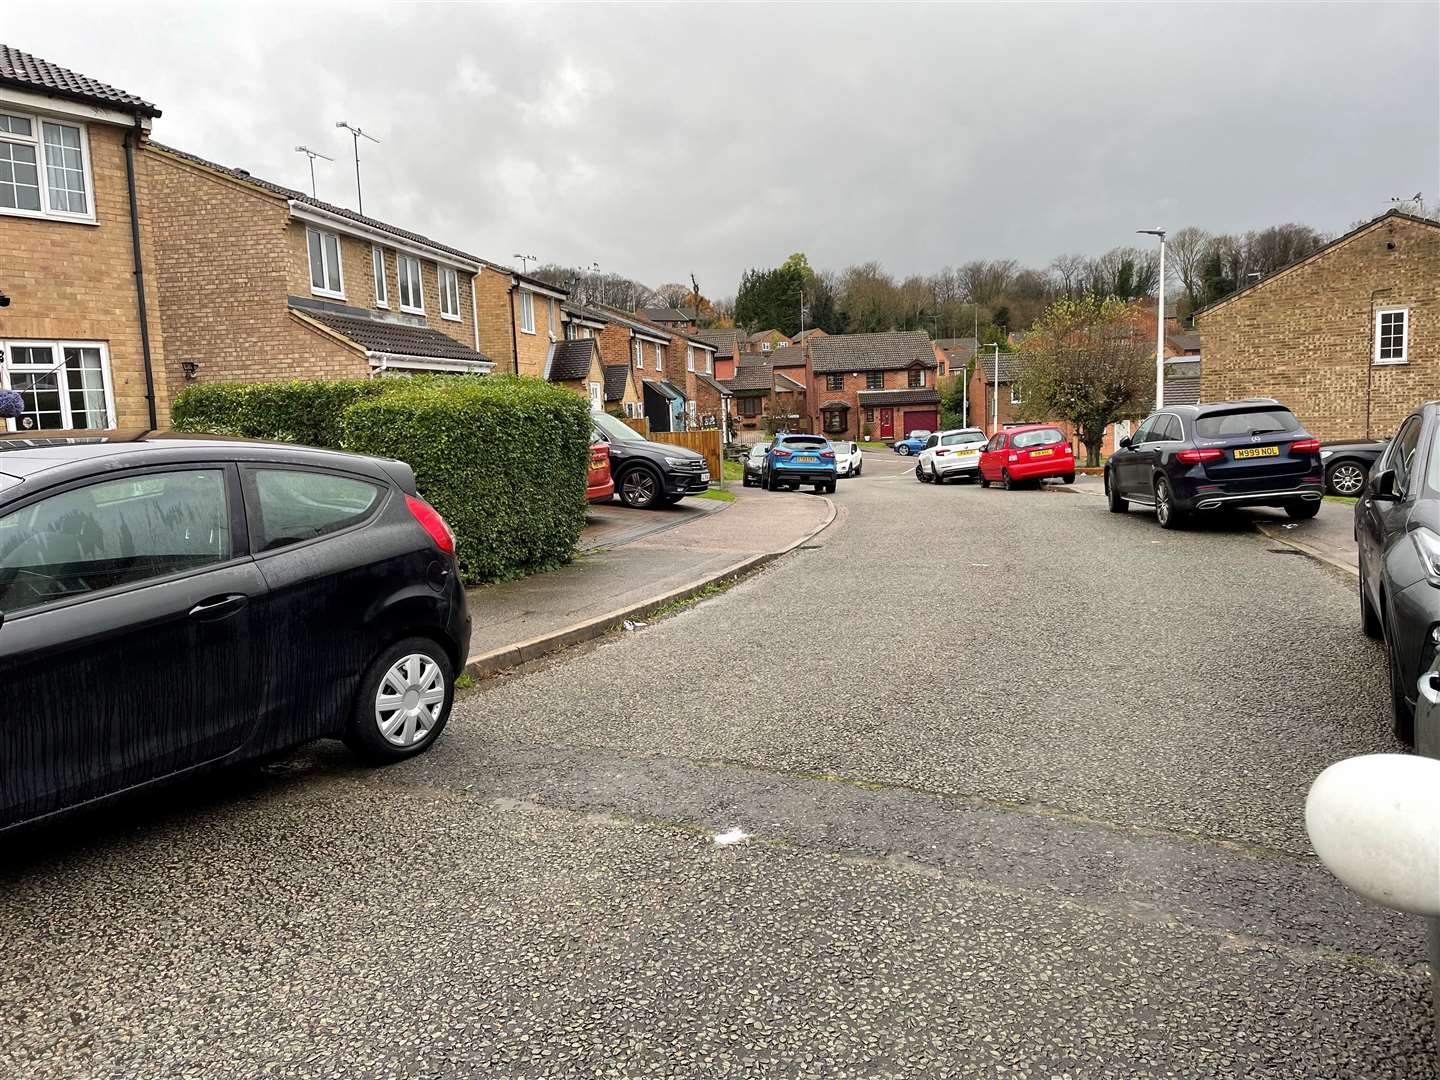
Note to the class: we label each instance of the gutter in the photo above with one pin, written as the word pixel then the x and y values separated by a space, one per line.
pixel 131 138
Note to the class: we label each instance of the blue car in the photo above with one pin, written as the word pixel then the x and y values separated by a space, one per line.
pixel 911 444
pixel 793 460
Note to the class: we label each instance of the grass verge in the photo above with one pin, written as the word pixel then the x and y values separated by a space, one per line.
pixel 718 494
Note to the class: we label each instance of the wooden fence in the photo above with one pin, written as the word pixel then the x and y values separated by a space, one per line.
pixel 705 441
pixel 638 423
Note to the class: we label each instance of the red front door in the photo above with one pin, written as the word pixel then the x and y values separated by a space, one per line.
pixel 887 423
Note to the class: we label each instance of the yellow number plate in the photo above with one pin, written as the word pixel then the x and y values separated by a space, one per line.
pixel 1041 453
pixel 1257 451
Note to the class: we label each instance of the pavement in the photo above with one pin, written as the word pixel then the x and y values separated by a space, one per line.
pixel 612 524
pixel 1062 838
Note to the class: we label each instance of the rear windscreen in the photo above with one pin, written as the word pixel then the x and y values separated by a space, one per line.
pixel 1226 425
pixel 803 442
pixel 1024 440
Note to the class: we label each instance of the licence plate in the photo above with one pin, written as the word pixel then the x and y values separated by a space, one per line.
pixel 705 475
pixel 1257 451
pixel 968 454
pixel 1041 453
pixel 805 459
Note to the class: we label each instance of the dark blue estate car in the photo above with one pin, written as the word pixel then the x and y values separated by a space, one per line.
pixel 170 605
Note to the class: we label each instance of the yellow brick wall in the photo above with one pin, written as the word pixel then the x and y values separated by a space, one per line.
pixel 74 281
pixel 1306 336
pixel 532 349
pixel 493 305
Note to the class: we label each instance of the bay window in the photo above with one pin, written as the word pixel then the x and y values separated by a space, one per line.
pixel 412 295
pixel 325 277
pixel 65 384
pixel 31 145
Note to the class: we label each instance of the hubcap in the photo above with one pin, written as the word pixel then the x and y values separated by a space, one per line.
pixel 1162 503
pixel 1347 479
pixel 639 487
pixel 409 700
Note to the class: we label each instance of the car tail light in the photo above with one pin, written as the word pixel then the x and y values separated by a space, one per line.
pixel 431 521
pixel 828 454
pixel 1195 457
pixel 782 453
pixel 1305 446
pixel 941 453
pixel 599 455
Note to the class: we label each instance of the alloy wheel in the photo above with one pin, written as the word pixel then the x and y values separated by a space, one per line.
pixel 1162 502
pixel 639 487
pixel 1347 479
pixel 409 700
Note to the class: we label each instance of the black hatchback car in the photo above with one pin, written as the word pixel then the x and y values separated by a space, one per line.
pixel 170 605
pixel 1397 531
pixel 1191 458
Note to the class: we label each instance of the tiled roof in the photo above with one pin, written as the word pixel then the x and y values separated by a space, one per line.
pixel 376 335
pixel 957 343
pixel 1187 341
pixel 887 351
pixel 806 335
pixel 1009 367
pixel 762 335
pixel 711 381
pixel 570 360
pixel 726 341
pixel 31 73
pixel 781 379
pixel 612 315
pixel 579 311
pixel 665 314
pixel 835 406
pixel 616 375
pixel 1183 391
pixel 755 376
pixel 319 204
pixel 919 396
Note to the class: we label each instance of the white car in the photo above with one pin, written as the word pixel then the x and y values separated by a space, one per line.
pixel 848 458
pixel 950 455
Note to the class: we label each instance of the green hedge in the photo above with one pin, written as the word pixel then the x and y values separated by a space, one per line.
pixel 503 459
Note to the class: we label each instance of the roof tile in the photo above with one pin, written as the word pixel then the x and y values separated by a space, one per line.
pixel 19 68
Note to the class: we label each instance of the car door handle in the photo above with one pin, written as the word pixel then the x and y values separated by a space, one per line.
pixel 218 607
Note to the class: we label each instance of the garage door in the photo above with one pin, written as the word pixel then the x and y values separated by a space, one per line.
pixel 921 420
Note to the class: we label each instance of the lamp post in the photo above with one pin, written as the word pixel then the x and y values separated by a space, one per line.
pixel 1159 321
pixel 995 388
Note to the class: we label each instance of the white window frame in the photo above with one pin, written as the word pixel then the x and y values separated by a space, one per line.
pixel 527 311
pixel 449 286
pixel 597 397
pixel 552 317
pixel 709 362
pixel 689 357
pixel 318 235
pixel 659 358
pixel 764 346
pixel 1404 357
pixel 639 352
pixel 402 261
pixel 377 268
pixel 37 139
pixel 58 352
pixel 1014 396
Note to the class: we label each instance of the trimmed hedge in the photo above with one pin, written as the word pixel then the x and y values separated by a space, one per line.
pixel 503 459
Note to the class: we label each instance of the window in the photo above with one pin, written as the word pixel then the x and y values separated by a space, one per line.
pixel 837 420
pixel 709 362
pixel 295 506
pixel 325 278
pixel 1391 333
pixel 659 359
pixel 1169 430
pixel 1014 394
pixel 874 380
pixel 1245 422
pixel 834 382
pixel 916 378
pixel 113 533
pixel 869 414
pixel 749 406
pixel 1401 455
pixel 597 400
pixel 765 346
pixel 65 385
pixel 527 312
pixel 29 145
pixel 377 267
pixel 639 350
pixel 1025 440
pixel 449 294
pixel 552 314
pixel 412 295
pixel 933 440
pixel 689 357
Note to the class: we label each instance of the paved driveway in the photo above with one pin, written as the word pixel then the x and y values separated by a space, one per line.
pixel 1023 782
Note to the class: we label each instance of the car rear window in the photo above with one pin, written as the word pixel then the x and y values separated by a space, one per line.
pixel 1024 440
pixel 806 442
pixel 759 450
pixel 296 506
pixel 1246 422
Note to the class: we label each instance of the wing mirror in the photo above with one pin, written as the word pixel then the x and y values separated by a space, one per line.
pixel 1382 485
pixel 1372 821
pixel 1125 443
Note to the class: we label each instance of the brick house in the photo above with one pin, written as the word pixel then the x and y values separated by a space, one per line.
pixel 955 354
pixel 659 366
pixel 1348 337
pixel 688 358
pixel 983 391
pixel 670 318
pixel 520 318
pixel 884 382
pixel 575 364
pixel 729 348
pixel 81 338
pixel 259 282
pixel 764 399
pixel 806 335
pixel 765 342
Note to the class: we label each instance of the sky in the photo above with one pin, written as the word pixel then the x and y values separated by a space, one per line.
pixel 661 140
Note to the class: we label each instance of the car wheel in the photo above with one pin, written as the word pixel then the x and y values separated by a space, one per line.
pixel 403 703
pixel 1112 496
pixel 1167 513
pixel 938 478
pixel 904 451
pixel 1005 481
pixel 640 488
pixel 1302 511
pixel 859 469
pixel 920 474
pixel 1068 478
pixel 984 483
pixel 1402 715
pixel 1345 478
pixel 1369 621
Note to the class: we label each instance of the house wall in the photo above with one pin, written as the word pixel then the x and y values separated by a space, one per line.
pixel 494 308
pixel 531 349
pixel 1305 337
pixel 75 281
pixel 851 385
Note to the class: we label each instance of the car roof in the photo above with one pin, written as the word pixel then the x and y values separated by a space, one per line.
pixel 958 431
pixel 1225 406
pixel 1031 427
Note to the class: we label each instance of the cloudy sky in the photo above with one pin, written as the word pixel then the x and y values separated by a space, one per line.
pixel 660 140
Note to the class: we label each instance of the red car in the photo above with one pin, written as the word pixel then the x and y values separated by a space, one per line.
pixel 1028 452
pixel 599 484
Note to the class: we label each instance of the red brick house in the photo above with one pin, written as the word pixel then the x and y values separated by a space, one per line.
pixel 764 399
pixel 883 383
pixel 765 342
pixel 729 347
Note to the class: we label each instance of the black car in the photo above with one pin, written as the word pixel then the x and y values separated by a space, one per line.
pixel 649 474
pixel 171 605
pixel 1347 464
pixel 1397 530
pixel 1193 458
pixel 754 474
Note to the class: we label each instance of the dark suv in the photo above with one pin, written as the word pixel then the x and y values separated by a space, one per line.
pixel 1190 458
pixel 649 474
pixel 1397 530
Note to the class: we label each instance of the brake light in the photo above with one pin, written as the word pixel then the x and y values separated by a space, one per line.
pixel 431 521
pixel 828 454
pixel 1305 446
pixel 600 454
pixel 1195 457
pixel 782 453
pixel 941 453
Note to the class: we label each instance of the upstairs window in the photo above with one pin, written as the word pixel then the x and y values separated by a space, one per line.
pixel 917 378
pixel 1014 394
pixel 552 315
pixel 1392 333
pixel 834 382
pixel 689 357
pixel 639 351
pixel 449 294
pixel 527 312
pixel 874 380
pixel 709 362
pixel 325 278
pixel 30 146
pixel 412 296
pixel 377 267
pixel 659 359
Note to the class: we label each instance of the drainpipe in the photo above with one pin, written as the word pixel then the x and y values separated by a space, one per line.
pixel 131 138
pixel 1370 359
pixel 514 340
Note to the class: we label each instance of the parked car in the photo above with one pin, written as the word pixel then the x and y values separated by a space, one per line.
pixel 1347 464
pixel 953 454
pixel 599 485
pixel 754 473
pixel 1193 458
pixel 174 605
pixel 1397 532
pixel 1026 454
pixel 911 444
pixel 650 474
pixel 849 459
pixel 793 460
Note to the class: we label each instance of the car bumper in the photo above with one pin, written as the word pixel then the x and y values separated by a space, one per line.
pixel 1270 496
pixel 601 492
pixel 687 483
pixel 803 476
pixel 1040 470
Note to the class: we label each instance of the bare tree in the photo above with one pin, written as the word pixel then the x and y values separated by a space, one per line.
pixel 1069 269
pixel 1185 251
pixel 675 295
pixel 985 280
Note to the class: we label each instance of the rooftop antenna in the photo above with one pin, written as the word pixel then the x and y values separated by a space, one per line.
pixel 525 261
pixel 312 155
pixel 356 135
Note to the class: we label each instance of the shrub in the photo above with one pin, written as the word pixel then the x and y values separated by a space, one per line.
pixel 298 412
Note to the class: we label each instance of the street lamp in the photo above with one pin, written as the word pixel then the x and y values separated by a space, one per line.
pixel 995 389
pixel 1159 321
